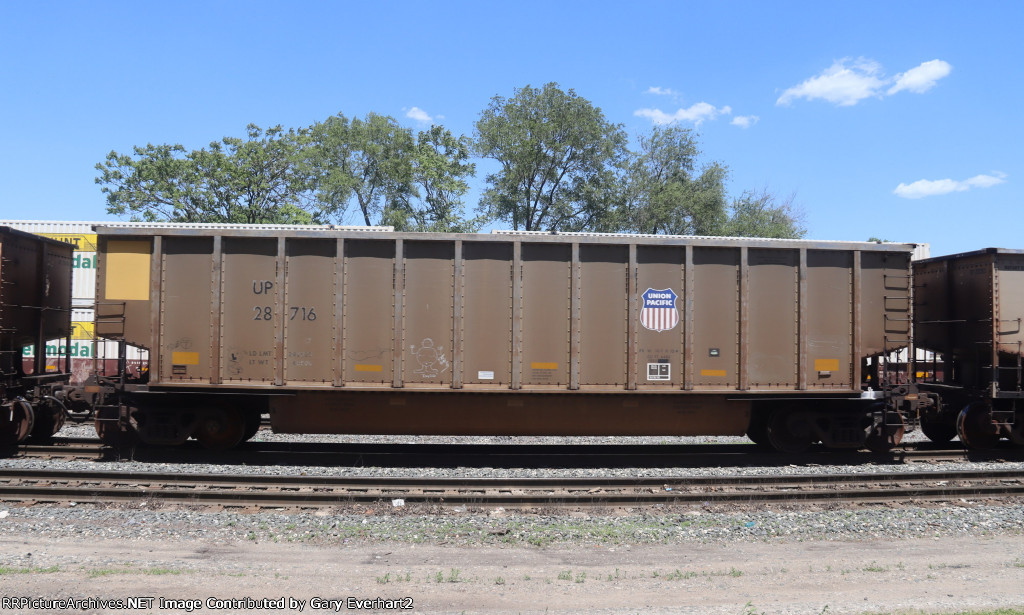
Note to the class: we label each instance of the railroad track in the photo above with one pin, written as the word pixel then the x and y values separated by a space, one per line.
pixel 237 490
pixel 504 455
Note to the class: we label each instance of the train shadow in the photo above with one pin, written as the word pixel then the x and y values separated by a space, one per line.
pixel 542 456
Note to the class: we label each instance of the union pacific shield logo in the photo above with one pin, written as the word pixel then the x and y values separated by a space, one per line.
pixel 659 311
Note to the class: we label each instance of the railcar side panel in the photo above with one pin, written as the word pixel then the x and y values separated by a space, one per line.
pixel 883 285
pixel 35 310
pixel 427 318
pixel 661 360
pixel 970 311
pixel 35 294
pixel 452 313
pixel 486 309
pixel 604 310
pixel 1010 289
pixel 187 310
pixel 250 311
pixel 126 283
pixel 546 326
pixel 716 315
pixel 310 325
pixel 830 319
pixel 773 315
pixel 369 312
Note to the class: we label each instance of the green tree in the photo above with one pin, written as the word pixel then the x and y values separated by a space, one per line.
pixel 440 167
pixel 254 180
pixel 369 160
pixel 558 157
pixel 758 214
pixel 393 179
pixel 663 195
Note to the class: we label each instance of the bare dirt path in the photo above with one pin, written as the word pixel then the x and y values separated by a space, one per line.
pixel 735 578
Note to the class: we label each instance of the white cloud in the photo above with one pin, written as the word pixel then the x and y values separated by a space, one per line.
pixel 660 91
pixel 744 121
pixel 987 181
pixel 840 84
pixel 419 115
pixel 925 187
pixel 921 78
pixel 696 113
pixel 848 82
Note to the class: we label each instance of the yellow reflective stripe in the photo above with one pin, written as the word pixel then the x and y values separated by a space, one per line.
pixel 826 365
pixel 185 358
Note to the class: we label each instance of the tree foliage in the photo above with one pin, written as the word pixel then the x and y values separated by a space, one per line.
pixel 758 214
pixel 365 160
pixel 252 180
pixel 663 193
pixel 372 168
pixel 440 167
pixel 561 165
pixel 390 176
pixel 558 157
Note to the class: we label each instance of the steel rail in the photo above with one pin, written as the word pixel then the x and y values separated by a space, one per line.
pixel 691 453
pixel 306 491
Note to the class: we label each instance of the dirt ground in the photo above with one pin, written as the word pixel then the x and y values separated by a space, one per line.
pixel 812 577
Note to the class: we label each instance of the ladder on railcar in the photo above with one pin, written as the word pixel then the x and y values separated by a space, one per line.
pixel 896 331
pixel 897 337
pixel 109 318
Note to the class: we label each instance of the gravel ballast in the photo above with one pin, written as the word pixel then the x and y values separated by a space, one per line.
pixel 729 559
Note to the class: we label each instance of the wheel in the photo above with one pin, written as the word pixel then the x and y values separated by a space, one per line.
pixel 885 433
pixel 757 431
pixel 789 431
pixel 220 428
pixel 252 425
pixel 16 421
pixel 49 420
pixel 976 427
pixel 938 431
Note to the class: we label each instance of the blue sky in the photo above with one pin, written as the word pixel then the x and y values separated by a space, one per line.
pixel 899 120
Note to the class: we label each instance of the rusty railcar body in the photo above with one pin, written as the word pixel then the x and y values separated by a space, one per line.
pixel 506 334
pixel 35 307
pixel 970 310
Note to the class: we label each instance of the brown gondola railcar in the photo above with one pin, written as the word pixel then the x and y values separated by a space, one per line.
pixel 35 307
pixel 969 313
pixel 367 332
